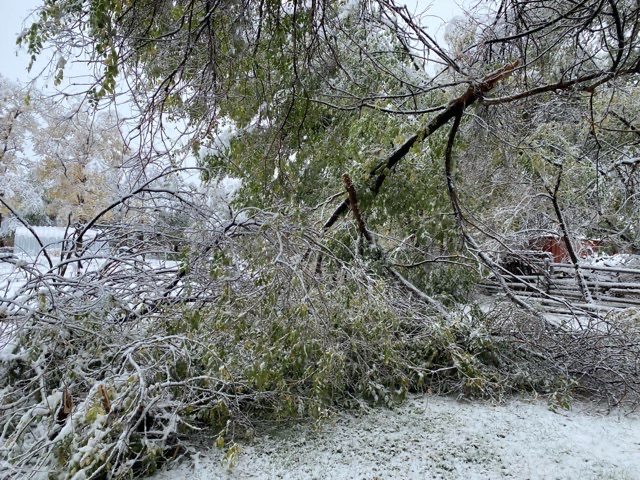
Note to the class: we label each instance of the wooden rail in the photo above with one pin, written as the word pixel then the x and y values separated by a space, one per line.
pixel 554 287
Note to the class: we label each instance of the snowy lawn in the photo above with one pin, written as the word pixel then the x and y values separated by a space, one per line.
pixel 440 438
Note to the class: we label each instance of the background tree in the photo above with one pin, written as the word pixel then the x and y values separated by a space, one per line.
pixel 18 121
pixel 58 159
pixel 81 159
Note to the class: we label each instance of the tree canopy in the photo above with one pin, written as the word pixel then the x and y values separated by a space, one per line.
pixel 304 91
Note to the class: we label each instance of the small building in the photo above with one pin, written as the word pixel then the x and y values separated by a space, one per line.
pixel 556 246
pixel 53 239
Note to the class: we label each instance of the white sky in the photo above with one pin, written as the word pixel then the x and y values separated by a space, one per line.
pixel 13 64
pixel 12 16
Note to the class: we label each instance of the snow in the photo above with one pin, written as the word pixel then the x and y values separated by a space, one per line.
pixel 227 130
pixel 8 347
pixel 12 277
pixel 349 7
pixel 617 260
pixel 439 438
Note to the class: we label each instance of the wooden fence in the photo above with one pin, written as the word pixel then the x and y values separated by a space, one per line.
pixel 555 288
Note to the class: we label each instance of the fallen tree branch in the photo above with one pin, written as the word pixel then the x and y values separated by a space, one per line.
pixel 568 241
pixel 379 173
pixel 364 233
pixel 457 210
pixel 353 201
pixel 43 249
pixel 420 294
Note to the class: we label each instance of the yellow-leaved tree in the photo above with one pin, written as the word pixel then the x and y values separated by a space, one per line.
pixel 59 161
pixel 79 167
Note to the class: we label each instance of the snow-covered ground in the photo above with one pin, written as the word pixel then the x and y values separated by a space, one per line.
pixel 439 438
pixel 11 279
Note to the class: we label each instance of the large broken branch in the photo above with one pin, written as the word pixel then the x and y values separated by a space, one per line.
pixel 378 175
pixel 364 233
pixel 353 201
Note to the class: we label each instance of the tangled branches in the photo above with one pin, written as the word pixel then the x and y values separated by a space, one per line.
pixel 106 371
pixel 106 367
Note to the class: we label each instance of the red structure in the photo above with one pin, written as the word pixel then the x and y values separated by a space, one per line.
pixel 556 246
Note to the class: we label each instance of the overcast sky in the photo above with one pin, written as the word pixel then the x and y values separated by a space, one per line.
pixel 12 16
pixel 14 12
